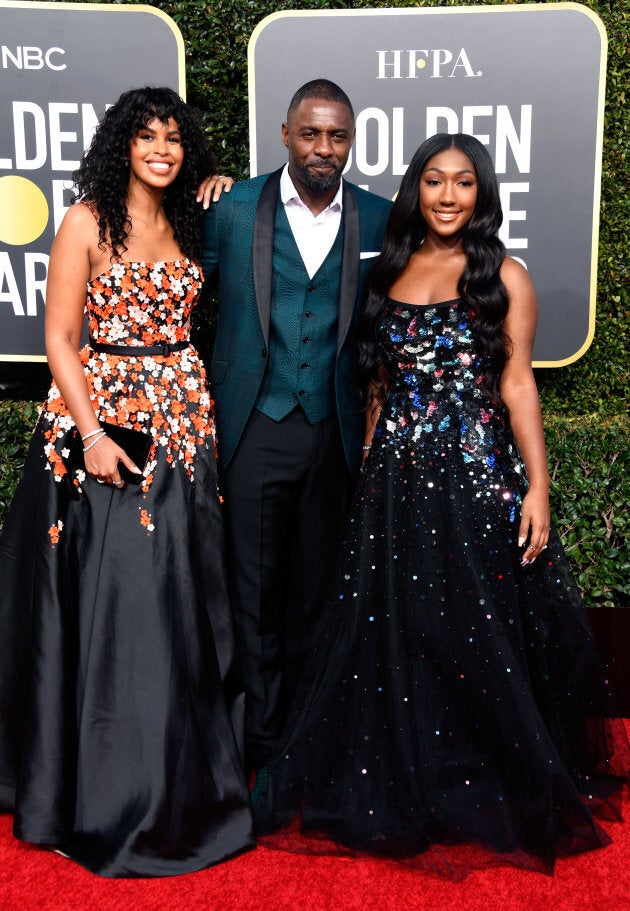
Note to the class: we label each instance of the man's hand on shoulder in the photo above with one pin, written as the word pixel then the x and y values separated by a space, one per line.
pixel 210 188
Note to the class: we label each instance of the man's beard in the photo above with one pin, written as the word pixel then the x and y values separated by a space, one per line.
pixel 320 183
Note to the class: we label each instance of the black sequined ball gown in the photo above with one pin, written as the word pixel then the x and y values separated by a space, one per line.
pixel 120 713
pixel 453 696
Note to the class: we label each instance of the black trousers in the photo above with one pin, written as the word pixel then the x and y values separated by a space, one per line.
pixel 286 494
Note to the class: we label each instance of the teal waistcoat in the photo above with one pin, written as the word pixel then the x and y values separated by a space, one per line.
pixel 302 331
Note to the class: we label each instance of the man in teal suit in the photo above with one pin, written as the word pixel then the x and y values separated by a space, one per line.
pixel 292 250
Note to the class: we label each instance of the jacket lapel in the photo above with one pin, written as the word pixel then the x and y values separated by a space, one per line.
pixel 264 225
pixel 350 266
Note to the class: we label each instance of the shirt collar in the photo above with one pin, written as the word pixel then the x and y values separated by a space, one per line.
pixel 289 195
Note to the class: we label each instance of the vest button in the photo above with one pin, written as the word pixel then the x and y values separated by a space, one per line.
pixel 303 366
pixel 301 392
pixel 308 314
pixel 306 339
pixel 311 287
pixel 264 352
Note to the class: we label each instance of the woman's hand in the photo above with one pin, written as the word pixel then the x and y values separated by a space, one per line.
pixel 535 522
pixel 216 182
pixel 101 461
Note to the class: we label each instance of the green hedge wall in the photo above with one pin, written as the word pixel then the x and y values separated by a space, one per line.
pixel 584 403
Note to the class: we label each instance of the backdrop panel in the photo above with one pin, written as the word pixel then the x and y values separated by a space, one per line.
pixel 528 81
pixel 61 65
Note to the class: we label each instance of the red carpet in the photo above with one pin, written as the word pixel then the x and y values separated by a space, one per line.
pixel 266 880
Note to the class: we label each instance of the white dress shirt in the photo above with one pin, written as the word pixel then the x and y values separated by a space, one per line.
pixel 314 234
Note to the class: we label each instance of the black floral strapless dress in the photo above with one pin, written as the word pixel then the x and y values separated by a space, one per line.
pixel 120 713
pixel 454 696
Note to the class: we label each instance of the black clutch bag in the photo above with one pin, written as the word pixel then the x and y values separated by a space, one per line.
pixel 136 444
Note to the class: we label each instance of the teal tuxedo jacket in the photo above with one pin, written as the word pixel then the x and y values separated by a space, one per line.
pixel 238 245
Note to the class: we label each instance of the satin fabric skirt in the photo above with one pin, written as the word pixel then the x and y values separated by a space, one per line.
pixel 120 709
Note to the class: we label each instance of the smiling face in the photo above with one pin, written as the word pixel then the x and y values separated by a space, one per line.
pixel 319 136
pixel 448 192
pixel 156 154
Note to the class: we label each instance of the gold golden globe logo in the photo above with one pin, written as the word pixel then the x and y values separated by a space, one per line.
pixel 23 210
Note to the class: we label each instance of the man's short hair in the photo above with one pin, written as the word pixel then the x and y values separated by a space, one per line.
pixel 320 88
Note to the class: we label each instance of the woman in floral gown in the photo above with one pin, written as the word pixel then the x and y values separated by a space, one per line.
pixel 120 711
pixel 454 695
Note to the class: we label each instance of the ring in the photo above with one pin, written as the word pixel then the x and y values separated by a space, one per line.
pixel 98 481
pixel 531 547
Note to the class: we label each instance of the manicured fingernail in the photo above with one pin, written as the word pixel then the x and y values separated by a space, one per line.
pixel 521 541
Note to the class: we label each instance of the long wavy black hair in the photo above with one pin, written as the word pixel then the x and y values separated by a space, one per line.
pixel 479 285
pixel 103 175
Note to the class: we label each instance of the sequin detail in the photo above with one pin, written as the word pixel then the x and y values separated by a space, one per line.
pixel 436 402
pixel 453 695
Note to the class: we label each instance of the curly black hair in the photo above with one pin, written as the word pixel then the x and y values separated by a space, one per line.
pixel 103 175
pixel 480 285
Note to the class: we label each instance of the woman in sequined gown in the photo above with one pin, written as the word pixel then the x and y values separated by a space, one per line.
pixel 120 713
pixel 454 695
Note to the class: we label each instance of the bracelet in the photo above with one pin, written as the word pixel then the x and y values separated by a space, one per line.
pixel 94 442
pixel 92 433
pixel 366 448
